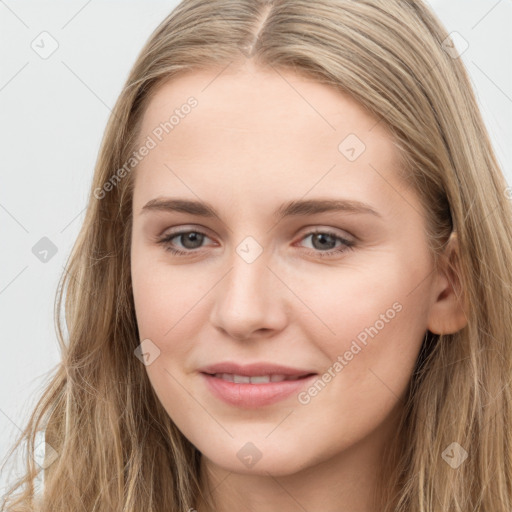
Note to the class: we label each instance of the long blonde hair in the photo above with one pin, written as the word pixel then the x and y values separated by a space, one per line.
pixel 117 448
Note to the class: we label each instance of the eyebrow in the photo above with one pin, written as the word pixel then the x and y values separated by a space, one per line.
pixel 289 209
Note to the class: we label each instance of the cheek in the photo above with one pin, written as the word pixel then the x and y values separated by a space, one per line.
pixel 376 319
pixel 171 309
pixel 378 329
pixel 162 294
pixel 166 307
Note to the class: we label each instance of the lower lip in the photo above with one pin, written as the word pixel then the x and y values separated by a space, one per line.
pixel 254 395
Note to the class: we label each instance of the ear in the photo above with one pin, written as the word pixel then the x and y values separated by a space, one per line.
pixel 448 312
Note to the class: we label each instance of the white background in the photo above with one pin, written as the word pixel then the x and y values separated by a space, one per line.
pixel 53 114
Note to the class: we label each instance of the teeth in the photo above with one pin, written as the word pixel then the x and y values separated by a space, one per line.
pixel 259 380
pixel 256 379
pixel 241 379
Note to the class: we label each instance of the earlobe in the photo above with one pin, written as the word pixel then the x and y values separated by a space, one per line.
pixel 448 313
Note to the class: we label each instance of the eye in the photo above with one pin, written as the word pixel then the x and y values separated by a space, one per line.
pixel 322 241
pixel 190 240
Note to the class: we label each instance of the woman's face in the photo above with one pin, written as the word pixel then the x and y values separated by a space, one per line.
pixel 315 260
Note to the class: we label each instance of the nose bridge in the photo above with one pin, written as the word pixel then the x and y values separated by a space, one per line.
pixel 248 298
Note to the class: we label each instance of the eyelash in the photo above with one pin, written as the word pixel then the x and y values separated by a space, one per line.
pixel 348 245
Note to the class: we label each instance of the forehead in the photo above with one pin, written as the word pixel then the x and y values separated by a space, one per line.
pixel 252 129
pixel 253 100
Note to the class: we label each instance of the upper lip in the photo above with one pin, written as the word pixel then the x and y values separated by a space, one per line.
pixel 254 369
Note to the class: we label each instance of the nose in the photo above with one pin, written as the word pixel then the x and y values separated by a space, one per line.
pixel 249 300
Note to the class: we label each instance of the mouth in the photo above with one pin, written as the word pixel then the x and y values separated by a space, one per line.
pixel 256 379
pixel 253 386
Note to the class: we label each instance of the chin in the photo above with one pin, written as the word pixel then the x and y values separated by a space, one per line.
pixel 259 458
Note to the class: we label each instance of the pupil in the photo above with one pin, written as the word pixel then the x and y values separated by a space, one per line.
pixel 194 238
pixel 321 237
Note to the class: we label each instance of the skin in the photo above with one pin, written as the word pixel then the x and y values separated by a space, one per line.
pixel 256 140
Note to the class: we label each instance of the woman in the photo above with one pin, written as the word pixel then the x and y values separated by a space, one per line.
pixel 218 356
